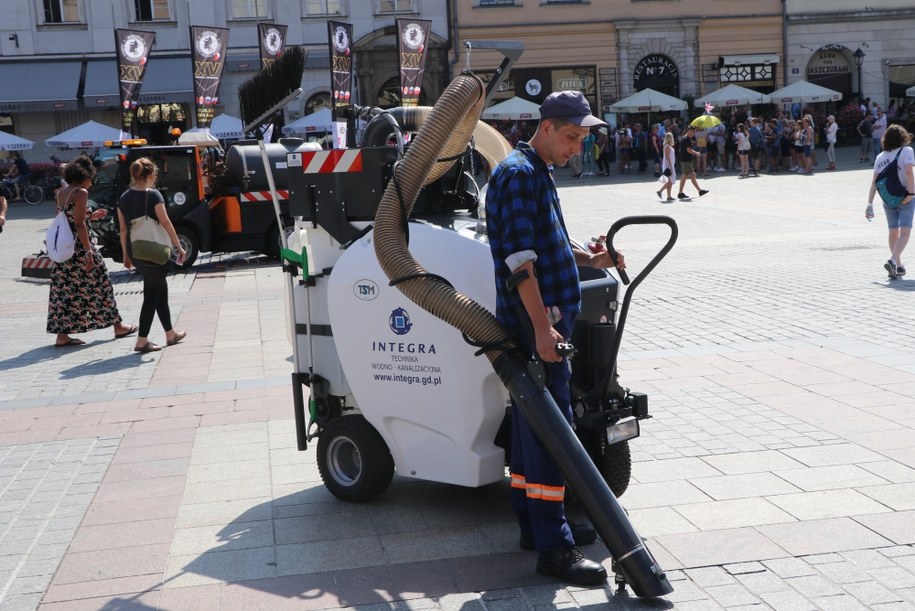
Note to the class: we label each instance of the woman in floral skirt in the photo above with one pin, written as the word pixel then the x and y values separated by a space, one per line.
pixel 82 298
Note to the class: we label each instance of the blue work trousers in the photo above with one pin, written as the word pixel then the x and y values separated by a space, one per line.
pixel 538 487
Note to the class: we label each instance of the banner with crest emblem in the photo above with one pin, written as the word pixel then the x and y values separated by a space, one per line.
pixel 272 42
pixel 412 39
pixel 208 50
pixel 132 52
pixel 341 65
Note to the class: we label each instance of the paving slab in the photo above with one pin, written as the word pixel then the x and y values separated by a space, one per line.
pixel 778 456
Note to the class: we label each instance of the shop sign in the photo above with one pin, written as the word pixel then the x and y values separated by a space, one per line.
pixel 825 63
pixel 575 79
pixel 655 66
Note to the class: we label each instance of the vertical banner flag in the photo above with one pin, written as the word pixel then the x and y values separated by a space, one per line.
pixel 411 43
pixel 132 52
pixel 272 42
pixel 341 65
pixel 208 49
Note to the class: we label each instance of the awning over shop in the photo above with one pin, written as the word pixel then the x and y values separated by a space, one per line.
pixel 167 79
pixel 749 60
pixel 38 86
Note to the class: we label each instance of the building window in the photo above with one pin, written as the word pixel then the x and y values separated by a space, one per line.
pixel 247 9
pixel 497 2
pixel 395 6
pixel 745 74
pixel 320 8
pixel 150 10
pixel 61 11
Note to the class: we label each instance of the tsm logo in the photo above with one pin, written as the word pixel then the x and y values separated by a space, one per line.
pixel 366 290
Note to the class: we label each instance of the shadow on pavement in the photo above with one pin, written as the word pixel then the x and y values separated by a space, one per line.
pixel 128 360
pixel 41 354
pixel 907 286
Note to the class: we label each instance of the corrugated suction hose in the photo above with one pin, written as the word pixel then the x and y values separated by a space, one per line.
pixel 445 132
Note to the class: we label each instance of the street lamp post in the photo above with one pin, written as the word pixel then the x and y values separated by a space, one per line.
pixel 859 59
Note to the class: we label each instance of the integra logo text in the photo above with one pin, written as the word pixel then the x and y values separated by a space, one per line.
pixel 403 348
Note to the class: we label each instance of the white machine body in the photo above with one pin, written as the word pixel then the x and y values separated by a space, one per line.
pixel 411 375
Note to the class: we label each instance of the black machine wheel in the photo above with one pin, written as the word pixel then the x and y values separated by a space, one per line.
pixel 354 460
pixel 191 245
pixel 33 194
pixel 616 467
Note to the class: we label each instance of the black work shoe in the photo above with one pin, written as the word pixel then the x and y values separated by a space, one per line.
pixel 582 534
pixel 702 192
pixel 682 196
pixel 569 565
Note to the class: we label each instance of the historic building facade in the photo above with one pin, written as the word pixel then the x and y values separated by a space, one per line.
pixel 61 56
pixel 60 53
pixel 853 47
pixel 619 48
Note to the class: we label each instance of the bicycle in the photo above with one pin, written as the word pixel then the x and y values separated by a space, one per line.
pixel 32 194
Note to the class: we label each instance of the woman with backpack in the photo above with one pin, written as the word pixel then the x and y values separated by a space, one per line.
pixel 81 298
pixel 899 214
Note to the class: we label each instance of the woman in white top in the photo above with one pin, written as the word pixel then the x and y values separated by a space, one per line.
pixel 668 167
pixel 743 149
pixel 899 219
pixel 831 128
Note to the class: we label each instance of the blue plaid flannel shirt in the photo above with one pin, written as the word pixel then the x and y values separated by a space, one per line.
pixel 523 214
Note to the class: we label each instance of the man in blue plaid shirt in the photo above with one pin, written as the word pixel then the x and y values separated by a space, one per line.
pixel 527 233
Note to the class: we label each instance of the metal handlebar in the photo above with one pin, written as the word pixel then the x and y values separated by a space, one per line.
pixel 603 389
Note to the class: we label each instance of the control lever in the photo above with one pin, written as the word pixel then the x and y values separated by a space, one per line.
pixel 565 349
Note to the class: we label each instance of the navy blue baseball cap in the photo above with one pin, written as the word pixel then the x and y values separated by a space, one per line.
pixel 569 105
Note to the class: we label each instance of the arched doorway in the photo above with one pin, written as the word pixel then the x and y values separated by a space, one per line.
pixel 832 67
pixel 154 122
pixel 658 72
pixel 389 94
pixel 317 102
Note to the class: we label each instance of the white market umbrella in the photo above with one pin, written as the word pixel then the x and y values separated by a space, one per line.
pixel 804 92
pixel 315 123
pixel 515 109
pixel 649 100
pixel 9 142
pixel 88 135
pixel 199 137
pixel 227 127
pixel 732 95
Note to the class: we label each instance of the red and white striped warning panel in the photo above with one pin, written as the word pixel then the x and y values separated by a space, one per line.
pixel 37 267
pixel 327 162
pixel 262 196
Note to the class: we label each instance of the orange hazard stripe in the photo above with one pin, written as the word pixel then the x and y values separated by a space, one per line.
pixel 538 491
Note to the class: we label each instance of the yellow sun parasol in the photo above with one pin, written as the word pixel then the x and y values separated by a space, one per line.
pixel 705 121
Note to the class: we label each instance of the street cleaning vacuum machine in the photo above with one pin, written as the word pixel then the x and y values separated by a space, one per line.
pixel 390 305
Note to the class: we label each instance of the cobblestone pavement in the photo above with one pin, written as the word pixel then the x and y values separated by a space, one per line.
pixel 778 471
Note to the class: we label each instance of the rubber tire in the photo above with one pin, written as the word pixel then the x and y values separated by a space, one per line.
pixel 33 195
pixel 353 460
pixel 191 243
pixel 616 467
